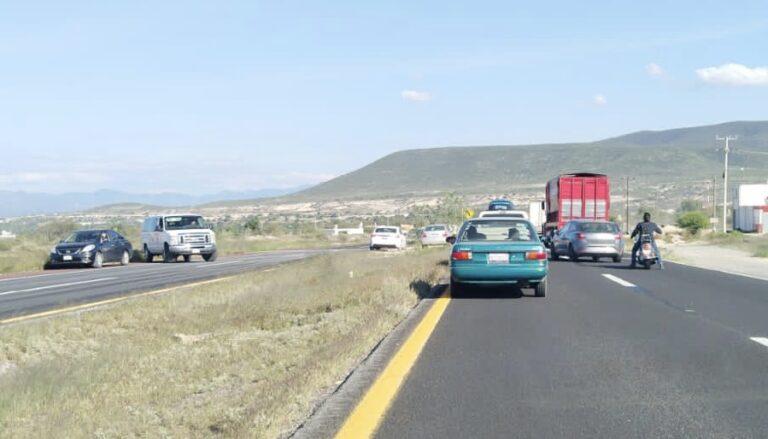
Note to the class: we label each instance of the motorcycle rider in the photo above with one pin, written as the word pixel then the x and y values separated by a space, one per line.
pixel 647 227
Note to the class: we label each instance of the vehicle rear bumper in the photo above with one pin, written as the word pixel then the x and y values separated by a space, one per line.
pixel 501 274
pixel 437 240
pixel 192 249
pixel 598 251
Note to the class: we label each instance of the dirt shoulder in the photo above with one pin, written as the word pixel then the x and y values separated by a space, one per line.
pixel 718 258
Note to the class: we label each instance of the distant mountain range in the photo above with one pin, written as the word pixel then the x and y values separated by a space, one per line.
pixel 16 203
pixel 676 155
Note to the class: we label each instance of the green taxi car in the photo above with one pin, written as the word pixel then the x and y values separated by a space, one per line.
pixel 498 251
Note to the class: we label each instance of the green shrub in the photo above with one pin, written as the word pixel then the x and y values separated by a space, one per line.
pixel 693 221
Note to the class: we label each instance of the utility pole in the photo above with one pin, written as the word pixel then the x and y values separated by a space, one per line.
pixel 626 202
pixel 726 150
pixel 714 203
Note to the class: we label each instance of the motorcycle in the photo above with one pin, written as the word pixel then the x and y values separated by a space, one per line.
pixel 646 255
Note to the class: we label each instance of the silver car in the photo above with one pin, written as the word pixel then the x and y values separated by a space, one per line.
pixel 434 234
pixel 588 238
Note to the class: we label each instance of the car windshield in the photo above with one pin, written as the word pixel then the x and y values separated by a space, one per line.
pixel 498 230
pixel 434 228
pixel 386 230
pixel 84 236
pixel 184 222
pixel 597 227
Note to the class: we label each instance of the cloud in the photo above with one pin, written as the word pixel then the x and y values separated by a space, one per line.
pixel 599 100
pixel 654 70
pixel 415 96
pixel 734 74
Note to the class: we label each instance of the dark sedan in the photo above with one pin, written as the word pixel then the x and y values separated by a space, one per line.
pixel 93 248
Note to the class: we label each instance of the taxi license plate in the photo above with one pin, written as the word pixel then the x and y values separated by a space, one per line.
pixel 498 258
pixel 66 258
pixel 195 251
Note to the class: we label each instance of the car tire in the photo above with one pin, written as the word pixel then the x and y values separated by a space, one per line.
pixel 211 257
pixel 541 288
pixel 167 255
pixel 572 254
pixel 457 289
pixel 148 256
pixel 617 259
pixel 553 254
pixel 595 259
pixel 126 258
pixel 98 260
pixel 187 258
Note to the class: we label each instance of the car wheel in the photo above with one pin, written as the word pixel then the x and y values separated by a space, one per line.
pixel 595 259
pixel 187 258
pixel 541 289
pixel 617 259
pixel 148 256
pixel 98 260
pixel 167 255
pixel 553 254
pixel 572 254
pixel 457 289
pixel 126 259
pixel 211 256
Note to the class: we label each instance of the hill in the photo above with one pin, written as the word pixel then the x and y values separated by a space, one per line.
pixel 17 203
pixel 660 156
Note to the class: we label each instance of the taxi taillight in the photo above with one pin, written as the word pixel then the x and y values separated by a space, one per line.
pixel 461 255
pixel 536 255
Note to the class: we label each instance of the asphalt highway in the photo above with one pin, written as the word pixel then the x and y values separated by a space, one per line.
pixel 610 353
pixel 57 288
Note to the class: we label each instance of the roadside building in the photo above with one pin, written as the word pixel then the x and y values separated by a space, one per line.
pixel 336 230
pixel 4 234
pixel 750 208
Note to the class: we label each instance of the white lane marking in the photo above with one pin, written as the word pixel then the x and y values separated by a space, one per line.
pixel 618 280
pixel 217 265
pixel 762 340
pixel 690 310
pixel 48 287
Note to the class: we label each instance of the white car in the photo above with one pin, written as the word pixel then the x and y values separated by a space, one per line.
pixel 387 237
pixel 172 236
pixel 433 234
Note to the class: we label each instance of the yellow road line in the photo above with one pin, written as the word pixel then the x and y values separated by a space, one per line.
pixel 365 418
pixel 107 302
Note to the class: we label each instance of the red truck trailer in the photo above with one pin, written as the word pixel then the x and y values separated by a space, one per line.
pixel 574 196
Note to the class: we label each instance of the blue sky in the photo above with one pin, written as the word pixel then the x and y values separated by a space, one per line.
pixel 208 96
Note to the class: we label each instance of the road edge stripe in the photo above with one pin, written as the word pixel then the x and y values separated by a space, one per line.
pixel 369 412
pixel 68 309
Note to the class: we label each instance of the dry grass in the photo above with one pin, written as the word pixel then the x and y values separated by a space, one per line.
pixel 239 244
pixel 22 255
pixel 756 245
pixel 245 357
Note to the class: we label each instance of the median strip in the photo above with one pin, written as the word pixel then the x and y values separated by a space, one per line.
pixel 619 280
pixel 365 418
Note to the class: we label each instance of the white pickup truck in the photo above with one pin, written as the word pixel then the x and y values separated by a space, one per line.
pixel 387 237
pixel 172 236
